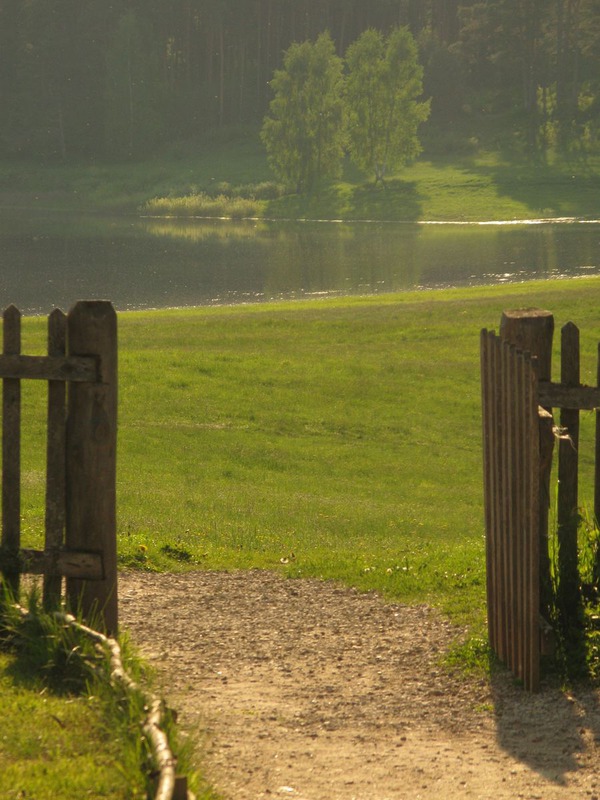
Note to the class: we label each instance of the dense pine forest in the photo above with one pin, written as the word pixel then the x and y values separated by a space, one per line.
pixel 95 79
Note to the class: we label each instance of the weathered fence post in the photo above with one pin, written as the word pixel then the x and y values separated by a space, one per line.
pixel 531 330
pixel 91 459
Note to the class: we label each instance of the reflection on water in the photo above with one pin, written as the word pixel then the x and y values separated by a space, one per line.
pixel 52 260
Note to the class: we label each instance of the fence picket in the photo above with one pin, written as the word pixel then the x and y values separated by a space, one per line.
pixel 511 462
pixel 519 543
pixel 11 446
pixel 486 341
pixel 532 478
pixel 55 456
pixel 596 568
pixel 568 447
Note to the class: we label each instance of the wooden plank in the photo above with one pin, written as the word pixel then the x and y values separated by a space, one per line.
pixel 568 518
pixel 559 395
pixel 91 459
pixel 522 467
pixel 537 550
pixel 512 521
pixel 55 457
pixel 56 563
pixel 499 559
pixel 596 574
pixel 11 446
pixel 491 485
pixel 520 542
pixel 486 345
pixel 505 555
pixel 49 368
pixel 497 508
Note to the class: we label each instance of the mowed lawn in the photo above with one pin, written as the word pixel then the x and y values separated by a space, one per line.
pixel 337 438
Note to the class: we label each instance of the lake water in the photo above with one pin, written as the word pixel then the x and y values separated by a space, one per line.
pixel 49 260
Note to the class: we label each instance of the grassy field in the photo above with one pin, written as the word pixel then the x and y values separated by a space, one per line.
pixel 481 185
pixel 338 438
pixel 55 746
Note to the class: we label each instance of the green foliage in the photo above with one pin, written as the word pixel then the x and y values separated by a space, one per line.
pixel 383 84
pixel 303 131
pixel 66 68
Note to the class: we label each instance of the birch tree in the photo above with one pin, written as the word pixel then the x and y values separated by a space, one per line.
pixel 383 87
pixel 303 131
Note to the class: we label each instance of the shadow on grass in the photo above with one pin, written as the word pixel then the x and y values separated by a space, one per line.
pixel 397 200
pixel 552 190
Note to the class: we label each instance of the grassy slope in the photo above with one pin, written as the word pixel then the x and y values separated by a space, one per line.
pixel 336 438
pixel 339 439
pixel 480 186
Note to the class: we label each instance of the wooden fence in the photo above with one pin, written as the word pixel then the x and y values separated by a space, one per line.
pixel 80 517
pixel 519 432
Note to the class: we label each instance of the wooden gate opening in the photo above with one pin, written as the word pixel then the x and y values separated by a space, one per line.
pixel 80 506
pixel 519 435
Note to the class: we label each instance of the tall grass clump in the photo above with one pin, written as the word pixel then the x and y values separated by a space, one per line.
pixel 202 205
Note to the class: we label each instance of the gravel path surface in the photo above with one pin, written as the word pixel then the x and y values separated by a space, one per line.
pixel 309 690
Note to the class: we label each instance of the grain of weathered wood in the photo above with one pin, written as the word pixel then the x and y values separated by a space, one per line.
pixel 557 395
pixel 533 527
pixel 519 540
pixel 91 458
pixel 511 487
pixel 55 456
pixel 501 605
pixel 568 447
pixel 11 445
pixel 49 368
pixel 486 344
pixel 531 330
pixel 55 563
pixel 596 575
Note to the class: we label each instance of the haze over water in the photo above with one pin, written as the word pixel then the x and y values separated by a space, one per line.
pixel 49 260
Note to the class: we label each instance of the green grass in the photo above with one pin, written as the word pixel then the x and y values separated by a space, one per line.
pixel 232 178
pixel 68 729
pixel 53 745
pixel 338 438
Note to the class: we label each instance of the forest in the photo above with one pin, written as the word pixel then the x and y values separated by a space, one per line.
pixel 92 79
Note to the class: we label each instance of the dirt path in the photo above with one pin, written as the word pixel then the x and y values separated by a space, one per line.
pixel 308 690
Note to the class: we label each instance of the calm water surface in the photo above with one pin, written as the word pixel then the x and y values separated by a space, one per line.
pixel 49 260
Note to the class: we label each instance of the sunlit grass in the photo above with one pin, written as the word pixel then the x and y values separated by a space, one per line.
pixel 52 746
pixel 232 179
pixel 338 438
